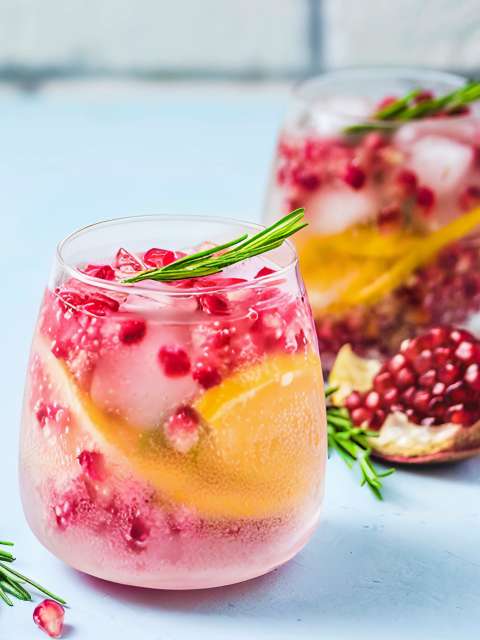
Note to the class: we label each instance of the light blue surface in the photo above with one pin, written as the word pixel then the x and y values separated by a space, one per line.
pixel 405 568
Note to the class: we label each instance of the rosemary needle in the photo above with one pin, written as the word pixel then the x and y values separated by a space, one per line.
pixel 351 444
pixel 208 262
pixel 11 581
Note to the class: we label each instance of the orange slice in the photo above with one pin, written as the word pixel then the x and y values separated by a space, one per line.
pixel 281 431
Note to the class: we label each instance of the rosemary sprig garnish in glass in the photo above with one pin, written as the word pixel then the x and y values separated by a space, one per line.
pixel 208 262
pixel 11 581
pixel 351 444
pixel 411 107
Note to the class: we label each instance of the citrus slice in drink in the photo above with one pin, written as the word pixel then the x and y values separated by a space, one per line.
pixel 260 450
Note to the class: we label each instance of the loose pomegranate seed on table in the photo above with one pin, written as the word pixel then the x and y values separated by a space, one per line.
pixel 49 616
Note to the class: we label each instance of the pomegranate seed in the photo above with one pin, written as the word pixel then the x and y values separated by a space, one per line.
pixel 264 271
pixel 456 393
pixel 69 299
pixel 469 198
pixel 405 378
pixel 389 397
pixel 159 258
pixel 386 101
pixel 354 176
pixel 184 420
pixel 436 407
pixel 472 376
pixel 216 304
pixel 428 378
pixel 438 336
pixel 105 301
pixel 374 141
pixel 397 407
pixel 441 355
pixel 132 331
pixel 416 346
pixel 423 362
pixel 126 259
pixel 306 180
pixel 396 363
pixel 456 336
pixel 408 181
pixel 139 530
pixel 428 422
pixel 92 464
pixel 49 616
pixel 353 401
pixel 458 415
pixel 372 400
pixel 421 400
pixel 378 419
pixel 438 388
pixel 389 220
pixel 467 352
pixel 206 375
pixel 383 381
pixel 426 199
pixel 413 416
pixel 407 396
pixel 175 361
pixel 424 96
pixel 361 415
pixel 448 373
pixel 104 272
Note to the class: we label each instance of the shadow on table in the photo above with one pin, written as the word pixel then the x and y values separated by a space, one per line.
pixel 466 471
pixel 343 575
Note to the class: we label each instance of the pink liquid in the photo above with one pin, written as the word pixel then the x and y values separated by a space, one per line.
pixel 174 442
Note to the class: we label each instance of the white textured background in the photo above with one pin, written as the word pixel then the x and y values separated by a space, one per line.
pixel 232 37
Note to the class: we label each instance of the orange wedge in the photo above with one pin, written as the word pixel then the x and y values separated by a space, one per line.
pixel 261 451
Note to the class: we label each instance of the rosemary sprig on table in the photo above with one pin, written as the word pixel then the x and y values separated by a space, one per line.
pixel 208 262
pixel 351 444
pixel 11 581
pixel 411 108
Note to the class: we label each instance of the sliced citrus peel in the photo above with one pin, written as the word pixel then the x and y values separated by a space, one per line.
pixel 399 439
pixel 360 267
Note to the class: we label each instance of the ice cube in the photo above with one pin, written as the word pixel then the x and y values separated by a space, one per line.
pixel 331 210
pixel 130 381
pixel 330 116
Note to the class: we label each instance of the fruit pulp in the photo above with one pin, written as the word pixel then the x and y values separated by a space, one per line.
pixel 385 257
pixel 173 436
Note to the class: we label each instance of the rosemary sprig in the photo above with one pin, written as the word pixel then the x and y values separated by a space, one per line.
pixel 11 582
pixel 407 108
pixel 351 444
pixel 208 262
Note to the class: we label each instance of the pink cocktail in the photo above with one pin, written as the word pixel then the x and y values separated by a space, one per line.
pixel 392 248
pixel 173 434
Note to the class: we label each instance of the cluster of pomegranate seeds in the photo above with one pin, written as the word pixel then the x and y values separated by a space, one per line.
pixel 49 616
pixel 434 380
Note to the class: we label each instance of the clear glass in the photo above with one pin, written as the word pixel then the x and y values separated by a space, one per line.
pixel 173 436
pixel 373 198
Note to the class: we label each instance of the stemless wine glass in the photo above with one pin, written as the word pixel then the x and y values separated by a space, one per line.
pixel 173 435
pixel 390 251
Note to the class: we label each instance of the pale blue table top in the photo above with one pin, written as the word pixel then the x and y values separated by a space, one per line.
pixel 405 567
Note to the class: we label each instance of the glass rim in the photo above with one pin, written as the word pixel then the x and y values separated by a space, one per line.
pixel 406 73
pixel 137 288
